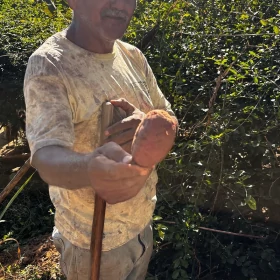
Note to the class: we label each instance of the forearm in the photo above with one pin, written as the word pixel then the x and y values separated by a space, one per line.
pixel 59 166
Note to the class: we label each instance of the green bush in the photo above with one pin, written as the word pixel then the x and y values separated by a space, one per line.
pixel 24 26
pixel 218 63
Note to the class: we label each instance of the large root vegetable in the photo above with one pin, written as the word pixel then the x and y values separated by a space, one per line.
pixel 153 138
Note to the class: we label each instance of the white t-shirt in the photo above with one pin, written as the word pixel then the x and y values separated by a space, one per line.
pixel 64 89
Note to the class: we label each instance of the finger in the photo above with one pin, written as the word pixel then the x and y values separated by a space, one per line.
pixel 119 171
pixel 120 190
pixel 126 123
pixel 119 185
pixel 113 151
pixel 114 197
pixel 124 104
pixel 111 170
pixel 122 138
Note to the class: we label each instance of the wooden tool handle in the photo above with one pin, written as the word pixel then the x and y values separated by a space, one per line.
pixel 15 180
pixel 97 235
pixel 107 119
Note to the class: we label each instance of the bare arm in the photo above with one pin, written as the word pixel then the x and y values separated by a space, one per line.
pixel 59 166
pixel 107 170
pixel 50 133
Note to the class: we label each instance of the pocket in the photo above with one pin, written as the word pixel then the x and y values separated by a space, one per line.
pixel 143 244
pixel 145 238
pixel 58 241
pixel 60 247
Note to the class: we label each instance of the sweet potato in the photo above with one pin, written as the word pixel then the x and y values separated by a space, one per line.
pixel 153 138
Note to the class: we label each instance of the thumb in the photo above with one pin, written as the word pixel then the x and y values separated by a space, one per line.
pixel 125 105
pixel 115 152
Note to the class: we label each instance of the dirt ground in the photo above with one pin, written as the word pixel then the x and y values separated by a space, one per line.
pixel 37 259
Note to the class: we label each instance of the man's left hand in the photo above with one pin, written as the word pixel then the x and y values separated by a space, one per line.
pixel 123 131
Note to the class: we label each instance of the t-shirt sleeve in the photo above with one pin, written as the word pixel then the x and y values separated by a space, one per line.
pixel 157 97
pixel 48 112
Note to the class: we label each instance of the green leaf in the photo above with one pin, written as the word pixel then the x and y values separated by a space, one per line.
pixel 184 263
pixel 176 263
pixel 244 16
pixel 272 265
pixel 175 274
pixel 276 29
pixel 256 80
pixel 251 202
pixel 263 22
pixel 157 218
pixel 47 11
pixel 161 234
pixel 183 273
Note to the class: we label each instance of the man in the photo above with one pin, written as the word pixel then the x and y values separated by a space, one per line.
pixel 67 80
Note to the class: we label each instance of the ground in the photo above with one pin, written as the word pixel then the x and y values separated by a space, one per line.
pixel 38 260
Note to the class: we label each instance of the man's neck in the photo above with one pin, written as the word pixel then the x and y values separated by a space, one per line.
pixel 82 36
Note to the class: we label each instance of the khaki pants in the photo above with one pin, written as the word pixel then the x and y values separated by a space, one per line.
pixel 128 262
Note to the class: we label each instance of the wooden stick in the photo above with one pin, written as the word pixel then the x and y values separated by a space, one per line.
pixel 232 233
pixel 15 180
pixel 8 159
pixel 216 230
pixel 107 119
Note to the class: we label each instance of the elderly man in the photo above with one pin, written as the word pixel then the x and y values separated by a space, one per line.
pixel 67 80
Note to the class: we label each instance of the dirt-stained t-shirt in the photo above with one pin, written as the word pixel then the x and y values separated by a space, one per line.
pixel 64 89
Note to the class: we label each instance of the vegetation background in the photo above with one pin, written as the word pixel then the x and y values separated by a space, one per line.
pixel 218 63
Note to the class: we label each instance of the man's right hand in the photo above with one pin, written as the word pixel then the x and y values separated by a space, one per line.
pixel 112 175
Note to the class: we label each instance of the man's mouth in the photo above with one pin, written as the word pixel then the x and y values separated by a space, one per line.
pixel 115 18
pixel 114 14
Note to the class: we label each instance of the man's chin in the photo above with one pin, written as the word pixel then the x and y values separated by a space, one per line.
pixel 114 29
pixel 113 36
